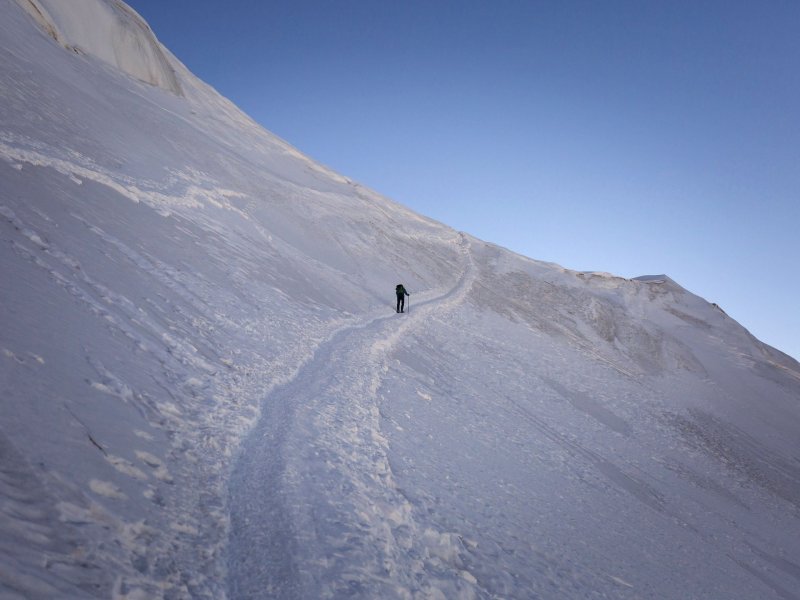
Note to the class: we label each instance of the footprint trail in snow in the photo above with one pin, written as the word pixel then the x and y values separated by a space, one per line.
pixel 315 511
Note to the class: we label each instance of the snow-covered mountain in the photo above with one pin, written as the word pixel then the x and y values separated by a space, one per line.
pixel 206 392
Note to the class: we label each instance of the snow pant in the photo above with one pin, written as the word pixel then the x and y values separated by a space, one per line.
pixel 401 302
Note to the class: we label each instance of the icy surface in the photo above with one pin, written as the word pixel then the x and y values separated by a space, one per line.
pixel 206 392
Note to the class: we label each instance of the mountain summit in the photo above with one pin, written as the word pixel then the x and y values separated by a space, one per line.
pixel 206 391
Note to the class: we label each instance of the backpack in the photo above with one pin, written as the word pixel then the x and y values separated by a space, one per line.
pixel 399 289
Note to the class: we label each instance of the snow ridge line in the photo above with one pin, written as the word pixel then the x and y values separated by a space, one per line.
pixel 315 510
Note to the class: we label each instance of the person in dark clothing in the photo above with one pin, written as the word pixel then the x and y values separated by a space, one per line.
pixel 401 297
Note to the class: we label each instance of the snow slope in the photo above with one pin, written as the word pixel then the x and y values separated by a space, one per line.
pixel 206 392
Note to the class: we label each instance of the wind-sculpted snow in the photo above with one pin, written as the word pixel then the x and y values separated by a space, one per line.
pixel 111 31
pixel 205 391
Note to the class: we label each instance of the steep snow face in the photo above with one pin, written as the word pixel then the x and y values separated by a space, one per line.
pixel 110 31
pixel 205 391
pixel 169 263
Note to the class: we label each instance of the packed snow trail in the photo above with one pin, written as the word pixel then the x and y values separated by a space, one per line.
pixel 315 509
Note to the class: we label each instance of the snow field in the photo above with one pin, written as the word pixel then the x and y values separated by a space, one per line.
pixel 205 392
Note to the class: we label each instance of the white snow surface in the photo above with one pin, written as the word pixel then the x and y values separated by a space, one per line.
pixel 206 392
pixel 111 31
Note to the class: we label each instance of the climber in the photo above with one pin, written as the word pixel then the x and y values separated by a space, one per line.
pixel 401 296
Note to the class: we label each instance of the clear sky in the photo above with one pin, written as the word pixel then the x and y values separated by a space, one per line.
pixel 633 137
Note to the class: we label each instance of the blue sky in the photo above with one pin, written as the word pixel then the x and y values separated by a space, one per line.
pixel 630 137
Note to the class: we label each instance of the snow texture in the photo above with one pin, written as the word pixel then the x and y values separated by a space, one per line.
pixel 206 392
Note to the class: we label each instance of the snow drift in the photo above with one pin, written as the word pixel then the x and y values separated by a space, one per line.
pixel 206 392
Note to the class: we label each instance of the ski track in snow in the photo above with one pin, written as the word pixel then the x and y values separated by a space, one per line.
pixel 315 510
